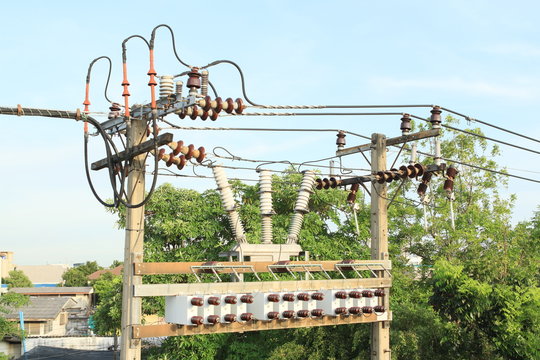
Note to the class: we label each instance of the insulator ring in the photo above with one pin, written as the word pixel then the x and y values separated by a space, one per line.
pixel 239 106
pixel 171 160
pixel 204 115
pixel 182 114
pixel 367 293
pixel 160 154
pixel 303 296
pixel 214 115
pixel 246 316
pixel 189 153
pixel 317 296
pixel 340 310
pixel 178 148
pixel 272 315
pixel 288 297
pixel 207 103
pixel 355 310
pixel 182 162
pixel 288 314
pixel 231 299
pixel 202 154
pixel 317 313
pixel 213 319
pixel 319 183
pixel 230 106
pixel 219 105
pixel 197 301
pixel 230 318
pixel 341 295
pixel 197 320
pixel 247 299
pixel 195 112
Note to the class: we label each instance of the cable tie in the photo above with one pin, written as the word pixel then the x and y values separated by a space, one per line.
pixel 20 111
pixel 78 114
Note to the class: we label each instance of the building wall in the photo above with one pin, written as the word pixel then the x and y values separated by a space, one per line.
pixel 82 343
pixel 10 349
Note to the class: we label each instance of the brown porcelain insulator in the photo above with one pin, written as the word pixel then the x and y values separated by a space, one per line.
pixel 303 296
pixel 288 314
pixel 197 301
pixel 317 296
pixel 412 171
pixel 246 316
pixel 182 162
pixel 355 310
pixel 230 106
pixel 452 172
pixel 405 123
pixel 355 294
pixel 239 106
pixel 435 118
pixel 247 299
pixel 340 311
pixel 351 198
pixel 273 297
pixel 389 176
pixel 160 154
pixel 379 292
pixel 340 141
pixel 214 115
pixel 317 312
pixel 381 177
pixel 214 300
pixel 207 103
pixel 341 295
pixel 230 318
pixel 178 147
pixel 334 182
pixel 367 309
pixel 379 308
pixel 195 112
pixel 189 153
pixel 204 115
pixel 448 185
pixel 288 297
pixel 194 80
pixel 319 184
pixel 303 313
pixel 422 189
pixel 367 293
pixel 171 160
pixel 272 315
pixel 219 105
pixel 213 319
pixel 231 299
pixel 182 114
pixel 197 320
pixel 202 154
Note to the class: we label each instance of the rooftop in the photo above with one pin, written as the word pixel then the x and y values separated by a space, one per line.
pixel 40 308
pixel 53 290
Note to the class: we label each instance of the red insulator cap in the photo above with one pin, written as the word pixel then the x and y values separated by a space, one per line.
pixel 214 300
pixel 288 314
pixel 197 320
pixel 197 301
pixel 288 297
pixel 239 106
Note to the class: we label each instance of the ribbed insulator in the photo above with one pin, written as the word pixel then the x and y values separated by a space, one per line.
pixel 265 183
pixel 227 199
pixel 306 188
pixel 294 227
pixel 166 85
pixel 204 82
pixel 179 86
pixel 266 236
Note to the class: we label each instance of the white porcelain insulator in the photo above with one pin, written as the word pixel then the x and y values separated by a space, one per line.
pixel 166 85
pixel 227 199
pixel 306 188
pixel 266 236
pixel 294 227
pixel 237 227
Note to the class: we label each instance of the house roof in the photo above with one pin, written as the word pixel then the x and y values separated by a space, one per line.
pixel 52 353
pixel 44 291
pixel 44 274
pixel 40 308
pixel 116 271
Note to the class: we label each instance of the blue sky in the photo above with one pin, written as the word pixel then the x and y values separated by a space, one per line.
pixel 478 57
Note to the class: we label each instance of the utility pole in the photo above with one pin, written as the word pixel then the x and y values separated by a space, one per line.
pixel 380 331
pixel 133 251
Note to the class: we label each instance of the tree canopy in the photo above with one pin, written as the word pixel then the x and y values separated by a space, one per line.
pixel 17 278
pixel 78 276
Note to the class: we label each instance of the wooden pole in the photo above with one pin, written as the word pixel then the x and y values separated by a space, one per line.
pixel 380 331
pixel 130 348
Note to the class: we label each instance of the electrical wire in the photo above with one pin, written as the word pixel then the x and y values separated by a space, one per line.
pixel 153 37
pixel 316 114
pixel 108 76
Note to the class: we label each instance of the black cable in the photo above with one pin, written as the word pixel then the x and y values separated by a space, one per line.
pixel 153 37
pixel 124 56
pixel 108 76
pixel 217 62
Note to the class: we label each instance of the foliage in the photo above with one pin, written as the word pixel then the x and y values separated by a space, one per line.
pixel 17 278
pixel 108 313
pixel 78 276
pixel 475 294
pixel 8 302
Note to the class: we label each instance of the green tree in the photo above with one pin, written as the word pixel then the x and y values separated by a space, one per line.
pixel 17 278
pixel 9 302
pixel 78 276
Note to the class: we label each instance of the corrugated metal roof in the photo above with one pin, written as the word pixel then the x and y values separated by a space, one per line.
pixel 53 290
pixel 52 353
pixel 41 308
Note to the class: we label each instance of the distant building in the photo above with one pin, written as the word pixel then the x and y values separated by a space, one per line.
pixel 78 310
pixel 96 275
pixel 44 275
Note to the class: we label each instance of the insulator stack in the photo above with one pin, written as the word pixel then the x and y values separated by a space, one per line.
pixel 351 198
pixel 194 82
pixel 355 310
pixel 301 207
pixel 422 188
pixel 379 292
pixel 114 111
pixel 451 174
pixel 265 183
pixel 340 141
pixel 204 83
pixel 229 204
pixel 189 151
pixel 327 183
pixel 208 108
pixel 435 118
pixel 170 159
pixel 317 313
pixel 367 293
pixel 166 86
pixel 179 86
pixel 405 124
pixel 340 311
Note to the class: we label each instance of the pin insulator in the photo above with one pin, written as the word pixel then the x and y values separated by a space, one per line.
pixel 197 301
pixel 288 297
pixel 288 314
pixel 341 295
pixel 230 318
pixel 246 316
pixel 197 320
pixel 317 296
pixel 340 141
pixel 272 315
pixel 355 310
pixel 247 299
pixel 405 124
pixel 317 312
pixel 435 118
pixel 303 296
pixel 214 300
pixel 213 319
pixel 340 310
pixel 367 293
pixel 231 299
pixel 273 297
